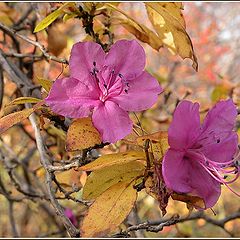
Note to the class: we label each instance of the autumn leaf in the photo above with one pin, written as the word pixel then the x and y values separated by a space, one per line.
pixel 168 21
pixel 14 118
pixel 51 17
pixel 100 180
pixel 158 143
pixel 113 159
pixel 191 201
pixel 81 135
pixel 23 100
pixel 109 210
pixel 45 83
pixel 140 31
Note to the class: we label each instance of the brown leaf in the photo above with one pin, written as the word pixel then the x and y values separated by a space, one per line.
pixel 156 187
pixel 81 135
pixel 158 143
pixel 168 21
pixel 14 118
pixel 190 200
pixel 109 210
pixel 140 31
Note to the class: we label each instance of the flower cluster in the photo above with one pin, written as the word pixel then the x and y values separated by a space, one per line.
pixel 201 156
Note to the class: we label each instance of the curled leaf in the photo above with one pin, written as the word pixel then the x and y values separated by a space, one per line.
pixel 158 143
pixel 191 201
pixel 168 21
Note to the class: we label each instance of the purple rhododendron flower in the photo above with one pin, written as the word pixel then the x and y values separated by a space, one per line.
pixel 105 86
pixel 69 213
pixel 200 156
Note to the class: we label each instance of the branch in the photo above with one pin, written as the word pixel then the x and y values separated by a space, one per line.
pixel 72 230
pixel 158 226
pixel 14 33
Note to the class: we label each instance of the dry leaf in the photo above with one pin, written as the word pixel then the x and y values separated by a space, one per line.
pixel 109 210
pixel 168 21
pixel 140 31
pixel 113 159
pixel 81 135
pixel 14 118
pixel 158 143
pixel 100 180
pixel 194 201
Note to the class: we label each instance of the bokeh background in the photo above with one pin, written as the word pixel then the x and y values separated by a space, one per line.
pixel 214 30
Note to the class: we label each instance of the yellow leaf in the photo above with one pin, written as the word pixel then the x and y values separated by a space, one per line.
pixel 14 118
pixel 45 83
pixel 158 143
pixel 81 135
pixel 48 20
pixel 100 180
pixel 23 100
pixel 140 31
pixel 109 210
pixel 51 17
pixel 113 159
pixel 168 21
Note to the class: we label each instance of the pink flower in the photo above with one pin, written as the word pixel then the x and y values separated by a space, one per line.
pixel 200 156
pixel 105 86
pixel 69 213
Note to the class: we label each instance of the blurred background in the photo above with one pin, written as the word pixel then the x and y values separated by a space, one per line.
pixel 214 30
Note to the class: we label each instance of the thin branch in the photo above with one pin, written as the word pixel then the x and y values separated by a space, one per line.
pixel 37 44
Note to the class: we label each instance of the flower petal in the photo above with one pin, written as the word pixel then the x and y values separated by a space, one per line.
pixel 126 58
pixel 217 139
pixel 83 56
pixel 223 151
pixel 175 171
pixel 185 126
pixel 111 121
pixel 203 184
pixel 142 93
pixel 71 98
pixel 185 175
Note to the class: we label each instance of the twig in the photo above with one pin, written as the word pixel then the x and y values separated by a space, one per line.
pixel 37 44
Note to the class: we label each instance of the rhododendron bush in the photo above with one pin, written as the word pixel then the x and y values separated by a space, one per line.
pixel 96 141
